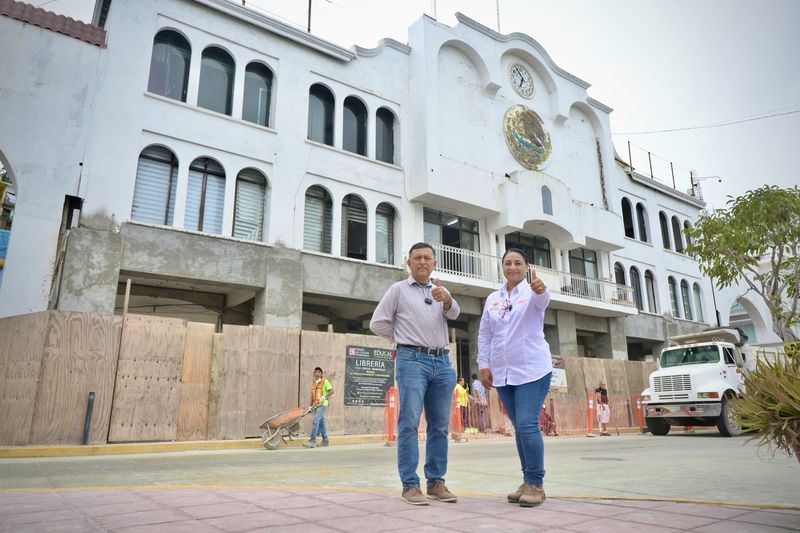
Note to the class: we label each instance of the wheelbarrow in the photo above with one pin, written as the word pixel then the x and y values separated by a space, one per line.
pixel 283 427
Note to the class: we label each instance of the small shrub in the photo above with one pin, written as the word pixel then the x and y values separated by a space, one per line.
pixel 770 408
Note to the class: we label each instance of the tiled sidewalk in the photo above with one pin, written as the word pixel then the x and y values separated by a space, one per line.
pixel 200 510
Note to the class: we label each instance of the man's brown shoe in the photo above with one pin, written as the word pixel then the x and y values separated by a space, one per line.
pixel 414 496
pixel 438 491
pixel 531 496
pixel 514 496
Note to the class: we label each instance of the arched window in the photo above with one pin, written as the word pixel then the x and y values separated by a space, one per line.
pixel 355 126
pixel 662 218
pixel 636 283
pixel 619 278
pixel 627 218
pixel 619 274
pixel 641 218
pixel 676 234
pixel 257 94
pixel 384 136
pixel 547 200
pixel 205 197
pixel 169 65
pixel 320 114
pixel 248 211
pixel 216 81
pixel 673 296
pixel 384 234
pixel 698 302
pixel 318 220
pixel 687 304
pixel 686 227
pixel 650 289
pixel 156 181
pixel 354 227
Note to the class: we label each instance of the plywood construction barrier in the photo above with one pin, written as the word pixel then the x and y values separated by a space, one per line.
pixel 22 340
pixel 254 376
pixel 195 382
pixel 147 391
pixel 159 378
pixel 79 358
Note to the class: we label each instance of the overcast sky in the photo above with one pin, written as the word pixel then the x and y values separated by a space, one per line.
pixel 661 65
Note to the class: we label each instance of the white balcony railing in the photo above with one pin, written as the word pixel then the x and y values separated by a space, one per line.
pixel 484 267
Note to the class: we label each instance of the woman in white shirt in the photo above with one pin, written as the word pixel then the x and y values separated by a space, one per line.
pixel 514 357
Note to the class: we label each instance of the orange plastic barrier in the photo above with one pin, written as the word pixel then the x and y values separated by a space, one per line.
pixel 591 417
pixel 457 411
pixel 392 409
pixel 641 415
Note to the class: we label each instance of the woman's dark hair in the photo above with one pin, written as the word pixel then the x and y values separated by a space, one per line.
pixel 318 368
pixel 515 251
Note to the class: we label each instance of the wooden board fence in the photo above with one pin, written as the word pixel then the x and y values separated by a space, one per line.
pixel 79 358
pixel 147 391
pixel 22 340
pixel 272 374
pixel 195 382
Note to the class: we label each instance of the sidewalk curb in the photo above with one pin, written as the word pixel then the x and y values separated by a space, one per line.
pixel 30 452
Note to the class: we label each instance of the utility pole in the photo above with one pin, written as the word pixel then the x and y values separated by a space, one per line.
pixel 309 17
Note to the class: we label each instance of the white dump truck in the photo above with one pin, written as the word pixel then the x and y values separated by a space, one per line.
pixel 698 375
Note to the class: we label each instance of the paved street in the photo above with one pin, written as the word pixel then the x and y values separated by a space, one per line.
pixel 593 484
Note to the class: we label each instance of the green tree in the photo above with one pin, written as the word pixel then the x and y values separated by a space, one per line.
pixel 756 238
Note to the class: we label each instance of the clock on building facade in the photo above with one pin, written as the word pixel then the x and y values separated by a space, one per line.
pixel 521 80
pixel 526 137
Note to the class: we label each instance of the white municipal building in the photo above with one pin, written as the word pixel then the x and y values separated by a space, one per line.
pixel 238 170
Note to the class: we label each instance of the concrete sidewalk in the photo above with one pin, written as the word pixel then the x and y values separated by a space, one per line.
pixel 301 510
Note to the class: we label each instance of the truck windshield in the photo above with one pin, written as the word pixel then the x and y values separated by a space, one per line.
pixel 690 356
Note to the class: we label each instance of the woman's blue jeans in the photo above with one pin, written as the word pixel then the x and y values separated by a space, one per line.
pixel 524 406
pixel 427 382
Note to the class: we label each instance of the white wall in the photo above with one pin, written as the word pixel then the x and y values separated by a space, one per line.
pixel 47 91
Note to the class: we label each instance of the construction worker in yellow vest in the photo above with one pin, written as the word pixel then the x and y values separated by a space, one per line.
pixel 321 390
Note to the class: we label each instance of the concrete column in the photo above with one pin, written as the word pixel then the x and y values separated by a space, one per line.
pixel 182 187
pixel 567 335
pixel 371 232
pixel 336 229
pixel 193 86
pixel 371 133
pixel 473 327
pixel 238 91
pixel 91 271
pixel 558 260
pixel 617 338
pixel 338 123
pixel 280 303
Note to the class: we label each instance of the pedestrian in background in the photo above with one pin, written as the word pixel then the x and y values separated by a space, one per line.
pixel 414 314
pixel 603 409
pixel 514 357
pixel 321 390
pixel 463 402
pixel 481 403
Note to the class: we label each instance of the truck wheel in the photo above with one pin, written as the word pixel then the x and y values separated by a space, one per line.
pixel 726 425
pixel 656 426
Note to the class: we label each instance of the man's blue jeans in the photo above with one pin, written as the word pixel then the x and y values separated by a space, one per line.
pixel 524 406
pixel 319 424
pixel 423 381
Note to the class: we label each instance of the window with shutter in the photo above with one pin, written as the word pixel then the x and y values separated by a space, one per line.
pixel 384 234
pixel 205 197
pixel 156 181
pixel 318 220
pixel 248 216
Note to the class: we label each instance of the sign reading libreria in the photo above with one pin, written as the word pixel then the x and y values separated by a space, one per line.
pixel 369 372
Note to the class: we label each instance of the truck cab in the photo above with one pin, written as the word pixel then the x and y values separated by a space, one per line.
pixel 698 376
